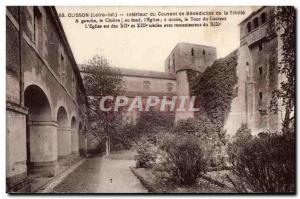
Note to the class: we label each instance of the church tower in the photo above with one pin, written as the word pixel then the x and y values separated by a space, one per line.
pixel 184 57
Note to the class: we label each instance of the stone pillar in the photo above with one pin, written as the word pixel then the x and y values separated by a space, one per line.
pixel 75 141
pixel 16 169
pixel 82 144
pixel 43 147
pixel 64 141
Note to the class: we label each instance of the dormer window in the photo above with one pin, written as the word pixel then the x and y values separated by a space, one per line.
pixel 249 26
pixel 37 28
pixel 62 68
pixel 62 61
pixel 173 61
pixel 255 22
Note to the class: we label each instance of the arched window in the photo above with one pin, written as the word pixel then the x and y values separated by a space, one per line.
pixel 249 26
pixel 263 17
pixel 255 22
pixel 192 52
pixel 203 52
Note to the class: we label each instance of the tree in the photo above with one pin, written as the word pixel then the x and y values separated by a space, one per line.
pixel 285 18
pixel 101 79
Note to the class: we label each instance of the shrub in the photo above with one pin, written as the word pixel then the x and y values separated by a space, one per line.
pixel 264 163
pixel 198 127
pixel 146 153
pixel 212 137
pixel 184 159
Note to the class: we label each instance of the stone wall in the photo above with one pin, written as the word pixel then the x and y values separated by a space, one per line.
pixel 257 73
pixel 190 56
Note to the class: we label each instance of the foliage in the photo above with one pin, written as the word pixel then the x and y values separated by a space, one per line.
pixel 183 159
pixel 216 88
pixel 264 163
pixel 146 153
pixel 100 79
pixel 286 23
pixel 241 139
pixel 211 136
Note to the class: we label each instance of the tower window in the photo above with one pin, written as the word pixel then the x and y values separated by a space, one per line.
pixel 249 26
pixel 260 95
pixel 260 47
pixel 255 21
pixel 192 52
pixel 203 52
pixel 260 71
pixel 263 17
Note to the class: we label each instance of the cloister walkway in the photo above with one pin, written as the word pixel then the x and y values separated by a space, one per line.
pixel 110 174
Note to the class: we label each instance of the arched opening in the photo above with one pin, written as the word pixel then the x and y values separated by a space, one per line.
pixel 40 132
pixel 74 136
pixel 63 133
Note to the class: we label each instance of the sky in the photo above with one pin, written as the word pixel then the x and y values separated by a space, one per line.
pixel 147 48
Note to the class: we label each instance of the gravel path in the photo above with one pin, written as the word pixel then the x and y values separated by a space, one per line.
pixel 102 175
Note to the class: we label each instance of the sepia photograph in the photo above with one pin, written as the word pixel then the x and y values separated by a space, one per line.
pixel 150 99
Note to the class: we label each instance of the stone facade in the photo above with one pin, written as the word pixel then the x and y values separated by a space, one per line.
pixel 45 97
pixel 259 55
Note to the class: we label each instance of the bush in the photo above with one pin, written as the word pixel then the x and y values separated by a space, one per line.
pixel 146 153
pixel 213 138
pixel 264 163
pixel 183 159
pixel 198 127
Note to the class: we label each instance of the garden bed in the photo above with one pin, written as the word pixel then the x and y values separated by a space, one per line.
pixel 205 184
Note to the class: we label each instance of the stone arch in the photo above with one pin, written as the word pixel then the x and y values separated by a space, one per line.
pixel 63 133
pixel 40 133
pixel 74 136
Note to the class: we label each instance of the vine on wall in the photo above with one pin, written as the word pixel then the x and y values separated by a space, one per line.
pixel 215 88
